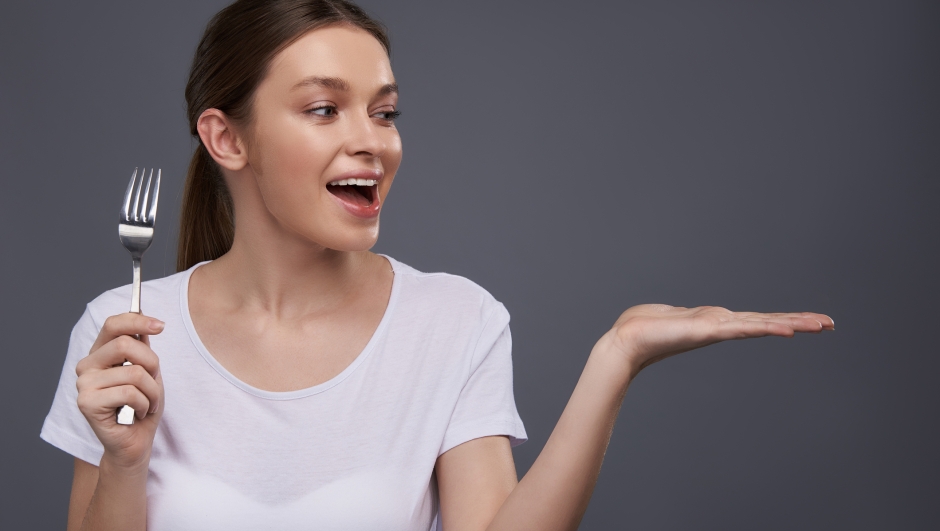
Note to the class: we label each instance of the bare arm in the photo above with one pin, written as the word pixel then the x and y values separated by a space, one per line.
pixel 473 480
pixel 554 494
pixel 477 479
pixel 114 499
pixel 84 482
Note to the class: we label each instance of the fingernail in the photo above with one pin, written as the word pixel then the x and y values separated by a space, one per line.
pixel 156 325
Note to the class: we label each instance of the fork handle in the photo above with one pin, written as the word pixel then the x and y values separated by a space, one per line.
pixel 125 414
pixel 135 290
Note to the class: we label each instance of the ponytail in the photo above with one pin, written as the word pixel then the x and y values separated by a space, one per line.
pixel 207 218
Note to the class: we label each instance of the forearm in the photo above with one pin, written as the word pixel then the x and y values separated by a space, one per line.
pixel 554 494
pixel 120 499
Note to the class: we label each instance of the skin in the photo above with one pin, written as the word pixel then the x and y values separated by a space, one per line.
pixel 300 277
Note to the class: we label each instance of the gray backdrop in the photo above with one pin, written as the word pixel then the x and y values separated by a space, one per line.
pixel 575 159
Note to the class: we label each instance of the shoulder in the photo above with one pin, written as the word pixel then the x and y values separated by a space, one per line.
pixel 445 293
pixel 158 297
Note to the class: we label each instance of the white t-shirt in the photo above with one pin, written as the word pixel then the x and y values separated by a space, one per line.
pixel 354 453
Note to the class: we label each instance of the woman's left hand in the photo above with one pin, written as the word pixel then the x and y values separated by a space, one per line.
pixel 649 333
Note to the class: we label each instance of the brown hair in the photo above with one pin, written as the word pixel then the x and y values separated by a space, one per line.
pixel 231 60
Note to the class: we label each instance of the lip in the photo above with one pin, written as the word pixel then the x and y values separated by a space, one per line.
pixel 360 211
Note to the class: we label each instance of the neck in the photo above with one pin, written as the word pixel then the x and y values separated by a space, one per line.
pixel 277 274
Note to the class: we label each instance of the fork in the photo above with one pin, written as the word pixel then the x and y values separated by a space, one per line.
pixel 136 232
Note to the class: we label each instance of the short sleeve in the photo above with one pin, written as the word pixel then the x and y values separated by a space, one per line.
pixel 486 405
pixel 65 427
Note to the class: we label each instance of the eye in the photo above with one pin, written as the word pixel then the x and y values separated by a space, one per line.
pixel 323 110
pixel 388 116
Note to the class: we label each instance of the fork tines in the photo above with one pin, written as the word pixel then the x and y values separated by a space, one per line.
pixel 136 211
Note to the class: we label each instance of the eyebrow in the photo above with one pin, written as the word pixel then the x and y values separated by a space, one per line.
pixel 388 88
pixel 336 83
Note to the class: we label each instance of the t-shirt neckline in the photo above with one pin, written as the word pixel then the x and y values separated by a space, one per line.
pixel 299 393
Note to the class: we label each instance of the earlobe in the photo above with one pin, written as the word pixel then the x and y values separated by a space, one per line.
pixel 221 140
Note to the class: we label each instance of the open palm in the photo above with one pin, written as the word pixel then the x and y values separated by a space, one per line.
pixel 652 332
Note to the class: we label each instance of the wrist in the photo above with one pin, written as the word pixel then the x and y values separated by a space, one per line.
pixel 611 359
pixel 123 468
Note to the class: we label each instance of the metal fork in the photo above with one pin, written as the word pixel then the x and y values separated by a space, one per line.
pixel 136 232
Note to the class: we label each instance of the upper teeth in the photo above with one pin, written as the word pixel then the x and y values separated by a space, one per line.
pixel 357 182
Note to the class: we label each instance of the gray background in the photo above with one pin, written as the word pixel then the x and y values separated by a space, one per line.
pixel 574 159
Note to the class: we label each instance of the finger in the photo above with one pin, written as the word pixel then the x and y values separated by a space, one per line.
pixel 798 324
pixel 115 352
pixel 827 322
pixel 823 319
pixel 134 375
pixel 743 329
pixel 104 402
pixel 806 322
pixel 126 324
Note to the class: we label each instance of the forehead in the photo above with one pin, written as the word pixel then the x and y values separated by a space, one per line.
pixel 344 52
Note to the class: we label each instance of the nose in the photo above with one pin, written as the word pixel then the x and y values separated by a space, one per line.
pixel 364 137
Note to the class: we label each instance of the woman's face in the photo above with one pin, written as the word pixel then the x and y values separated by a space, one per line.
pixel 323 115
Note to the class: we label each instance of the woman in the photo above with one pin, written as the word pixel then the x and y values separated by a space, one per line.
pixel 298 380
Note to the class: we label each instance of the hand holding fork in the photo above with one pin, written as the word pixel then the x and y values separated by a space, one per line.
pixel 136 232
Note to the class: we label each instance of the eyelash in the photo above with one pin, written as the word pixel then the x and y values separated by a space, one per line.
pixel 321 107
pixel 391 115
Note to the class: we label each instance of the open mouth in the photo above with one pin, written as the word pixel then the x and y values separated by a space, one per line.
pixel 358 192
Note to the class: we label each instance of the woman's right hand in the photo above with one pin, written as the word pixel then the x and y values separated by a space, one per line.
pixel 104 385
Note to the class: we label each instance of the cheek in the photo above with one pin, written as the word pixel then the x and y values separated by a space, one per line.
pixel 395 149
pixel 291 165
pixel 391 160
pixel 297 155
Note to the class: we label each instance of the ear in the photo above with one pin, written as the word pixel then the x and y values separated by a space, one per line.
pixel 221 140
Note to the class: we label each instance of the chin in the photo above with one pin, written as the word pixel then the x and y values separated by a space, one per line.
pixel 361 239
